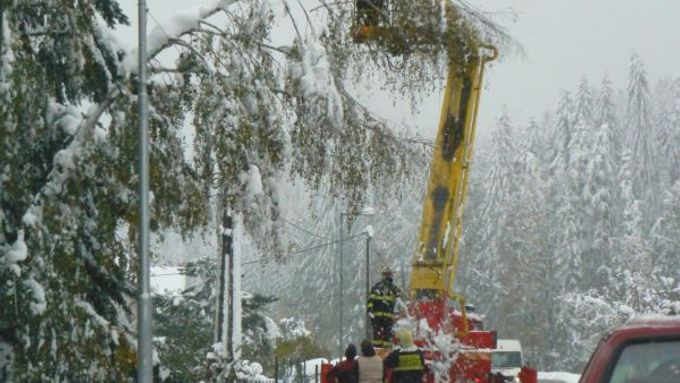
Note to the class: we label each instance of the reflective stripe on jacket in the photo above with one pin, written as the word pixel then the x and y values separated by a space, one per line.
pixel 407 365
pixel 382 299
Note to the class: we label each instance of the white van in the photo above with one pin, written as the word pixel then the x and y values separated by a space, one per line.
pixel 507 358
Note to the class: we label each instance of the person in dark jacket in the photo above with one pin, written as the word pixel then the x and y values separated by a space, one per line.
pixel 497 378
pixel 368 12
pixel 380 308
pixel 346 371
pixel 406 362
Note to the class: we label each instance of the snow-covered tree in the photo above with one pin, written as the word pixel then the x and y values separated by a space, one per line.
pixel 579 154
pixel 640 133
pixel 584 104
pixel 68 191
pixel 597 255
pixel 471 262
pixel 500 184
pixel 600 194
pixel 533 141
pixel 184 325
pixel 666 243
pixel 596 315
pixel 605 110
pixel 64 270
pixel 635 271
pixel 525 267
pixel 562 133
pixel 668 134
pixel 581 137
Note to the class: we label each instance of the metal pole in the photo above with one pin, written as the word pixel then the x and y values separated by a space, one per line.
pixel 403 276
pixel 368 283
pixel 2 40
pixel 144 362
pixel 222 284
pixel 229 303
pixel 341 293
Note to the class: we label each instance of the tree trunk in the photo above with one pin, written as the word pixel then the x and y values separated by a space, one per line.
pixel 225 300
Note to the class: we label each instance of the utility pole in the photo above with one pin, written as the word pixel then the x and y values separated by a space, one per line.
pixel 144 330
pixel 403 276
pixel 341 293
pixel 229 344
pixel 367 211
pixel 368 282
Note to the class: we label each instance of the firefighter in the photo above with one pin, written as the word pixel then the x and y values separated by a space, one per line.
pixel 380 308
pixel 406 363
pixel 368 12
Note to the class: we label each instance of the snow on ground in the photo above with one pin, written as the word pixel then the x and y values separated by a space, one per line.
pixel 547 377
pixel 167 280
pixel 314 365
pixel 558 377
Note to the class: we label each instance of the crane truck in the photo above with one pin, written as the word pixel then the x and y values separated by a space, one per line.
pixel 456 347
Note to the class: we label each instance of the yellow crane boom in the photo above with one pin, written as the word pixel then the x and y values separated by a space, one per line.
pixel 435 263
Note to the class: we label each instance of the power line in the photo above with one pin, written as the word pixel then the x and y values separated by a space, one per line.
pixel 303 229
pixel 167 274
pixel 264 259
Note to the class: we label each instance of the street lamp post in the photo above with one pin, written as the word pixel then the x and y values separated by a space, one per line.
pixel 365 211
pixel 144 309
pixel 340 292
pixel 369 235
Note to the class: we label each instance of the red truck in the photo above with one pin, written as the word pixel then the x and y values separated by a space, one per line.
pixel 644 350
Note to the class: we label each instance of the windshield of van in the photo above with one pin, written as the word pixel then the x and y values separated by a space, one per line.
pixel 657 362
pixel 506 359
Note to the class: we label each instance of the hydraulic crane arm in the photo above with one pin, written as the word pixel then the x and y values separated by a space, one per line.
pixel 435 263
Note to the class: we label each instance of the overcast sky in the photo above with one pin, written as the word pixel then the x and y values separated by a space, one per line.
pixel 567 39
pixel 563 39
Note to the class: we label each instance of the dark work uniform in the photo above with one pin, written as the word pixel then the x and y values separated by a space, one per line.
pixel 407 365
pixel 381 303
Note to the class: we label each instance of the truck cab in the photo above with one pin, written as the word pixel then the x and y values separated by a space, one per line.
pixel 646 349
pixel 507 359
